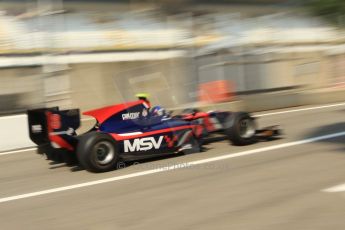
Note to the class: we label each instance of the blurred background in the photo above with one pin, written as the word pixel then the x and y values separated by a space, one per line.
pixel 88 54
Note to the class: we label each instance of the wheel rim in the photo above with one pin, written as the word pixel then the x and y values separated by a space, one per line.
pixel 247 128
pixel 104 152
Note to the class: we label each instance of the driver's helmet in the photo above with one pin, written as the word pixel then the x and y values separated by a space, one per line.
pixel 144 97
pixel 158 111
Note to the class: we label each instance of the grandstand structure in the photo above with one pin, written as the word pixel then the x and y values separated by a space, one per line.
pixel 68 51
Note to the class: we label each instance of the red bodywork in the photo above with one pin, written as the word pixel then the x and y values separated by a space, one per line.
pixel 104 113
pixel 206 121
pixel 54 122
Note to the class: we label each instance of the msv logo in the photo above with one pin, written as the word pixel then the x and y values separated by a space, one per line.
pixel 142 144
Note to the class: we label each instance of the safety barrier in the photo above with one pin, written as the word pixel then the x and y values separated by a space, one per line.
pixel 14 133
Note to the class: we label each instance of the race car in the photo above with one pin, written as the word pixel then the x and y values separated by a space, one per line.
pixel 131 131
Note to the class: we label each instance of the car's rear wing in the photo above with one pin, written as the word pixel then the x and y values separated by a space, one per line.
pixel 54 126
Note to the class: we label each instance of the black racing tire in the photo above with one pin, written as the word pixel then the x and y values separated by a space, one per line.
pixel 97 152
pixel 240 128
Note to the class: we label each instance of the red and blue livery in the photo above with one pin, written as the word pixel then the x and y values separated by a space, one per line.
pixel 132 131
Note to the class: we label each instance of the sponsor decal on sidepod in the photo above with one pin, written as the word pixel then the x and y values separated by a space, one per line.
pixel 142 144
pixel 130 116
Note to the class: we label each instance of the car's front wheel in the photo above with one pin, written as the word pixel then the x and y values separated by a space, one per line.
pixel 97 152
pixel 240 128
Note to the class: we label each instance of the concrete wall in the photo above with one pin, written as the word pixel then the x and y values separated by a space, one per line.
pixel 20 88
pixel 169 82
pixel 267 71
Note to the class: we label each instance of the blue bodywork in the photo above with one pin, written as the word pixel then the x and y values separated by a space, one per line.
pixel 145 122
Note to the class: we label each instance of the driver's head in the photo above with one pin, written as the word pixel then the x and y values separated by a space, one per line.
pixel 158 111
pixel 144 97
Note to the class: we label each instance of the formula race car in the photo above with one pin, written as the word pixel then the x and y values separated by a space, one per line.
pixel 130 131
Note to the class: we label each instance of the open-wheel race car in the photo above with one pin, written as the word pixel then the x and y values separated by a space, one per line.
pixel 131 131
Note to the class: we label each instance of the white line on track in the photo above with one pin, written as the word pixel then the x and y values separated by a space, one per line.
pixel 17 151
pixel 337 188
pixel 173 167
pixel 299 110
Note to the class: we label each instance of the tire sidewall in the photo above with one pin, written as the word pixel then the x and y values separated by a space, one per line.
pixel 86 152
pixel 232 129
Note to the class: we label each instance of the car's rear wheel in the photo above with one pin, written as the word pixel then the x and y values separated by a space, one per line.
pixel 240 128
pixel 97 152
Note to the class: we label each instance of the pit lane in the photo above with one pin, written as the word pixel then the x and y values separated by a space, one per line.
pixel 279 188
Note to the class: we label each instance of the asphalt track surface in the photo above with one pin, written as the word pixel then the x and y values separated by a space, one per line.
pixel 279 184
